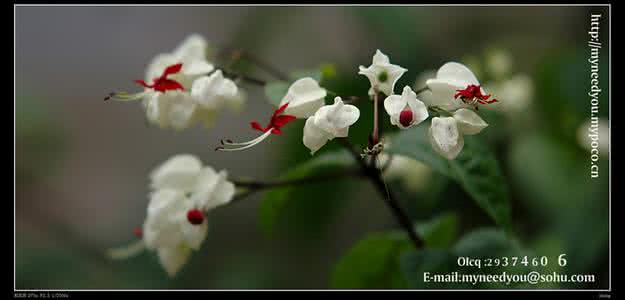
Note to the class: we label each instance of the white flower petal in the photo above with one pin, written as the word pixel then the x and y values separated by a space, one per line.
pixel 223 193
pixel 193 48
pixel 380 58
pixel 419 111
pixel 314 137
pixel 458 73
pixel 332 118
pixel 198 67
pixel 382 67
pixel 394 104
pixel 181 110
pixel 194 235
pixel 445 137
pixel 212 92
pixel 173 258
pixel 468 121
pixel 157 108
pixel 305 97
pixel 212 189
pixel 179 172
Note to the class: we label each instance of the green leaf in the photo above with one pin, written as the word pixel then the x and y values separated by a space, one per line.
pixel 414 143
pixel 476 169
pixel 278 200
pixel 441 232
pixel 374 261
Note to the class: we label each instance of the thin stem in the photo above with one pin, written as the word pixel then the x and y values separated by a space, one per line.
pixel 346 99
pixel 375 175
pixel 396 209
pixel 261 64
pixel 421 90
pixel 244 77
pixel 259 185
pixel 376 130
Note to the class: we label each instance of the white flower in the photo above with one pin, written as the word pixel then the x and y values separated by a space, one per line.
pixel 446 133
pixel 405 110
pixel 329 122
pixel 382 74
pixel 455 86
pixel 173 109
pixel 305 97
pixel 215 91
pixel 184 191
pixel 191 53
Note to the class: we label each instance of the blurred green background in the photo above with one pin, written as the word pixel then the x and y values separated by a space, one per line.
pixel 82 164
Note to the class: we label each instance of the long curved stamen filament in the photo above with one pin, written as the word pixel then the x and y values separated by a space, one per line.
pixel 124 96
pixel 245 145
pixel 231 143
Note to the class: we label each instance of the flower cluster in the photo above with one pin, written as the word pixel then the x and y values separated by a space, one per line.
pixel 182 88
pixel 183 192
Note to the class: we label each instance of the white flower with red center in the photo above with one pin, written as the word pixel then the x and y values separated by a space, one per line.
pixel 177 90
pixel 191 53
pixel 184 191
pixel 447 133
pixel 329 122
pixel 455 86
pixel 405 110
pixel 382 74
pixel 276 122
pixel 304 97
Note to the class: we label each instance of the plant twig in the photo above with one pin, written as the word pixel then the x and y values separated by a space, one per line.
pixel 259 185
pixel 421 90
pixel 375 176
pixel 240 54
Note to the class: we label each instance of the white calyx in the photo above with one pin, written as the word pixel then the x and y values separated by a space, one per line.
pixel 182 186
pixel 305 97
pixel 406 110
pixel 329 122
pixel 450 78
pixel 446 133
pixel 382 74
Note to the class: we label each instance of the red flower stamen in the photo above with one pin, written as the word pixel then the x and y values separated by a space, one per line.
pixel 276 122
pixel 195 216
pixel 473 93
pixel 162 84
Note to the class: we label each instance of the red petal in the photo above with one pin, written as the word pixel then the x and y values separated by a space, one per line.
pixel 167 85
pixel 281 109
pixel 276 131
pixel 142 83
pixel 280 121
pixel 173 69
pixel 256 125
